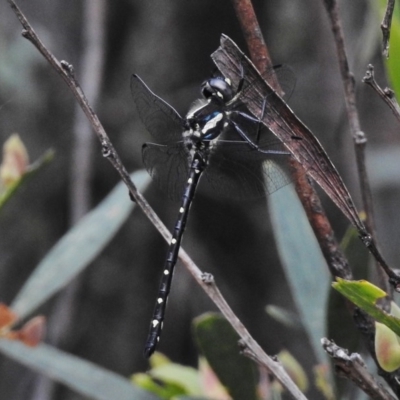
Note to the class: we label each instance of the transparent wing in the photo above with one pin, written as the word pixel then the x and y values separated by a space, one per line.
pixel 168 165
pixel 237 171
pixel 160 119
pixel 286 78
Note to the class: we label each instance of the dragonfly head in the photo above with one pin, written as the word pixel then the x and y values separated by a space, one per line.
pixel 218 89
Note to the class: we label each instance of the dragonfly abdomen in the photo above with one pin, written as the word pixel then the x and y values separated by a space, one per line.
pixel 196 168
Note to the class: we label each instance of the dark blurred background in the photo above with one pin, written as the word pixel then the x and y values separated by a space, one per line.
pixel 168 43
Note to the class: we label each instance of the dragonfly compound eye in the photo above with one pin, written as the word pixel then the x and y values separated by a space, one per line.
pixel 218 89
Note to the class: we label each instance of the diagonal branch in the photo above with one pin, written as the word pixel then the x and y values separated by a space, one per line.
pixel 352 367
pixel 319 222
pixel 387 95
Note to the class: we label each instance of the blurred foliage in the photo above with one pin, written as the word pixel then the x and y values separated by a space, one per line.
pixel 14 169
pixel 218 342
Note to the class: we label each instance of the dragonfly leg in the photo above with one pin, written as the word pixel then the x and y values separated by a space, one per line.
pixel 253 145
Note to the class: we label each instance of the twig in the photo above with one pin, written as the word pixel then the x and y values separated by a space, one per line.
pixel 260 56
pixel 358 135
pixel 359 144
pixel 386 25
pixel 352 367
pixel 66 71
pixel 253 349
pixel 336 260
pixel 255 42
pixel 387 95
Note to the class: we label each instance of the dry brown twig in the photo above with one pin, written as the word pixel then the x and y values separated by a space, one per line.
pixel 360 141
pixel 385 27
pixel 259 54
pixel 358 135
pixel 387 94
pixel 66 71
pixel 352 367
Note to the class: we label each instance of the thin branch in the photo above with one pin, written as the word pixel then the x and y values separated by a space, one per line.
pixel 358 135
pixel 253 349
pixel 352 367
pixel 387 95
pixel 255 41
pixel 386 25
pixel 337 262
pixel 66 71
pixel 260 56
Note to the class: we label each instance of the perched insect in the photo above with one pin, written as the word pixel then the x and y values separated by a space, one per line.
pixel 218 140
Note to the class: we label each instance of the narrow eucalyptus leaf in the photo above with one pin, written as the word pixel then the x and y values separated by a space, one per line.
pixel 77 248
pixel 82 376
pixel 304 265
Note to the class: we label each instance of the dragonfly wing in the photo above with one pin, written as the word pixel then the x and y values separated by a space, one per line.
pixel 160 119
pixel 280 119
pixel 168 165
pixel 237 171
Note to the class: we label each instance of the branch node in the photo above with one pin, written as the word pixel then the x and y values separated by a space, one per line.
pixel 105 149
pixel 389 93
pixel 360 138
pixel 68 68
pixel 207 278
pixel 366 238
pixel 386 25
pixel 394 281
pixel 369 74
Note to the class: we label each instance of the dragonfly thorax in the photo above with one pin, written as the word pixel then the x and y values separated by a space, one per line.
pixel 204 122
pixel 205 128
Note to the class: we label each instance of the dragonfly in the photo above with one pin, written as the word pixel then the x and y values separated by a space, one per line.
pixel 218 141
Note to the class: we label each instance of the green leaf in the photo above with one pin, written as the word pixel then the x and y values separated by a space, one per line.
pixel 163 390
pixel 185 377
pixel 82 376
pixel 387 348
pixel 364 295
pixel 304 265
pixel 219 344
pixel 167 379
pixel 294 369
pixel 190 398
pixel 77 248
pixel 31 171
